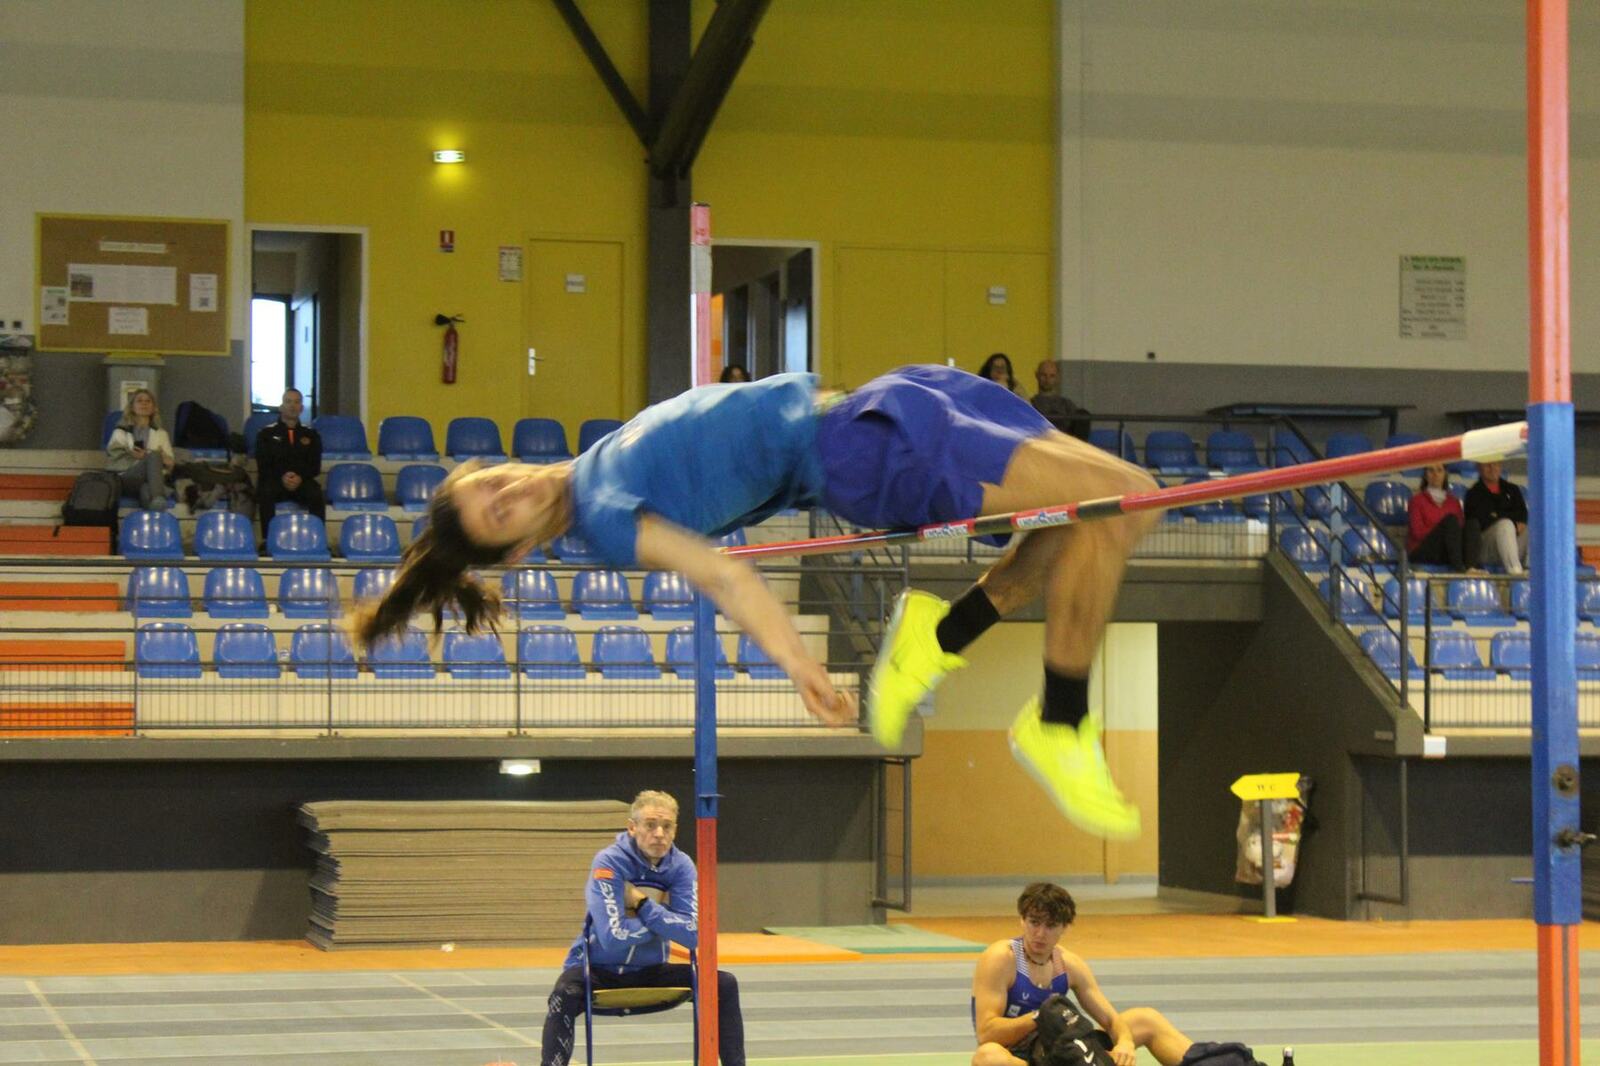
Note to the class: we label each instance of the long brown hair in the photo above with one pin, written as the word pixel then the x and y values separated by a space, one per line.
pixel 433 576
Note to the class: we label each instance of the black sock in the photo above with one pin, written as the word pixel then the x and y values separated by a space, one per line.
pixel 1066 699
pixel 969 618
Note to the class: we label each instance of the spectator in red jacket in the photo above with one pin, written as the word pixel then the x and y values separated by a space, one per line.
pixel 1436 527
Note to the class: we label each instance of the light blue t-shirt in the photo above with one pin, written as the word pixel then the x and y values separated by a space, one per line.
pixel 711 460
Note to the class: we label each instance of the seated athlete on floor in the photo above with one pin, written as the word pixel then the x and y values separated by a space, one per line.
pixel 920 445
pixel 1015 977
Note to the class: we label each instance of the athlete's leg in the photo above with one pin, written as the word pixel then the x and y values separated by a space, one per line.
pixel 1151 1030
pixel 995 1055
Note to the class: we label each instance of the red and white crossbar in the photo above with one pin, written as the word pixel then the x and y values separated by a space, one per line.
pixel 1490 444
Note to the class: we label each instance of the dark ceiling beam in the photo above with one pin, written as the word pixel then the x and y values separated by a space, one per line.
pixel 607 70
pixel 726 42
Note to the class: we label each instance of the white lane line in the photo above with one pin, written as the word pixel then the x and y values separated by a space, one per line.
pixel 403 979
pixel 61 1024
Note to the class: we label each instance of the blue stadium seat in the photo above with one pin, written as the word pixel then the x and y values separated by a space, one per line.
pixel 590 432
pixel 1367 544
pixel 401 657
pixel 754 661
pixel 1416 602
pixel 474 656
pixel 531 594
pixel 1464 470
pixel 667 594
pixel 680 654
pixel 1342 444
pixel 321 650
pixel 305 592
pixel 533 557
pixel 151 535
pixel 1260 506
pixel 418 526
pixel 1232 451
pixel 343 437
pixel 369 538
pixel 224 537
pixel 1287 449
pixel 549 653
pixel 258 421
pixel 414 485
pixel 474 438
pixel 1458 489
pixel 1320 502
pixel 1305 549
pixel 1476 602
pixel 1355 598
pixel 158 592
pixel 166 649
pixel 1389 500
pixel 571 548
pixel 735 539
pixel 1511 653
pixel 108 426
pixel 1383 648
pixel 1587 654
pixel 246 650
pixel 602 594
pixel 1397 440
pixel 623 651
pixel 406 437
pixel 235 592
pixel 1105 439
pixel 355 487
pixel 1522 596
pixel 1589 601
pixel 1171 451
pixel 372 582
pixel 539 440
pixel 1213 512
pixel 1454 654
pixel 298 536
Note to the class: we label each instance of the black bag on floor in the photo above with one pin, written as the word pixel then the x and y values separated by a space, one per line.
pixel 1214 1054
pixel 93 500
pixel 1066 1037
pixel 194 426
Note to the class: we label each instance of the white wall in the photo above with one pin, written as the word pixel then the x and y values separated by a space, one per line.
pixel 127 107
pixel 1240 177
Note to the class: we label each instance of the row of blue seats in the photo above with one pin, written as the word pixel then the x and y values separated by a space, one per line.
pixel 1454 655
pixel 313 592
pixel 1173 451
pixel 1388 500
pixel 533 440
pixel 1471 601
pixel 321 651
pixel 223 536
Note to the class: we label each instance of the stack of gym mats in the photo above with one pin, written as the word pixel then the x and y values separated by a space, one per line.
pixel 479 873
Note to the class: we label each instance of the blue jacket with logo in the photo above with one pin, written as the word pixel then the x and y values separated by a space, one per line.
pixel 622 943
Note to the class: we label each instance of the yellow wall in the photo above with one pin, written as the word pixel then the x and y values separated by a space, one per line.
pixel 855 123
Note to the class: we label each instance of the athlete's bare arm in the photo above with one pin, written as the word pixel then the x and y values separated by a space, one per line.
pixel 738 591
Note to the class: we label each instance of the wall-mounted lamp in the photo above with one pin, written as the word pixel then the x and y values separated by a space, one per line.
pixel 450 155
pixel 519 767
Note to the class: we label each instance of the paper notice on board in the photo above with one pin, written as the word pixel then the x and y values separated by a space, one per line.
pixel 136 247
pixel 53 306
pixel 129 321
pixel 202 292
pixel 510 262
pixel 122 283
pixel 1433 297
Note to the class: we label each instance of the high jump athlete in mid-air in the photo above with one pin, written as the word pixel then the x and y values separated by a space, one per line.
pixel 919 445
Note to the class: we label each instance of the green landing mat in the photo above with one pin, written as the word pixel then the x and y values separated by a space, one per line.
pixel 880 939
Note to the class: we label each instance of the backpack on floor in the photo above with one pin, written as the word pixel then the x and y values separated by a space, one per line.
pixel 1214 1054
pixel 194 426
pixel 1066 1037
pixel 93 500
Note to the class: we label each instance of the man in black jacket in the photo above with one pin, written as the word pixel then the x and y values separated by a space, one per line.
pixel 288 462
pixel 1500 511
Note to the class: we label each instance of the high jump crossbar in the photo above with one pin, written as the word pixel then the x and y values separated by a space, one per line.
pixel 1489 444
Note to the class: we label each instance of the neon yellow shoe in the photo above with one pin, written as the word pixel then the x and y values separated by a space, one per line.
pixel 910 664
pixel 1071 765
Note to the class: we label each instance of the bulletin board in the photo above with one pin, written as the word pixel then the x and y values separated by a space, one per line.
pixel 154 286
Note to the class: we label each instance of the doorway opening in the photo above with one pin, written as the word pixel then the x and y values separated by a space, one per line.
pixel 764 308
pixel 308 319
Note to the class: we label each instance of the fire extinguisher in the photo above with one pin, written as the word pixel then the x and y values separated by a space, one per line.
pixel 451 346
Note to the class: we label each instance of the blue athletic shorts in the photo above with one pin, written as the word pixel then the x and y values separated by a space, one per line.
pixel 916 446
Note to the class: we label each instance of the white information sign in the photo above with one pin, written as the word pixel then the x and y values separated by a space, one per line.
pixel 120 283
pixel 131 321
pixel 202 292
pixel 53 306
pixel 1433 297
pixel 510 262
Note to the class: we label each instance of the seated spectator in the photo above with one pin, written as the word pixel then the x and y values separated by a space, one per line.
pixel 1065 415
pixel 288 462
pixel 1437 531
pixel 1498 511
pixel 140 452
pixel 734 372
pixel 1015 977
pixel 997 368
pixel 641 900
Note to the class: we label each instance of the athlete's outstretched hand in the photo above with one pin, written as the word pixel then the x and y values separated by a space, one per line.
pixel 826 703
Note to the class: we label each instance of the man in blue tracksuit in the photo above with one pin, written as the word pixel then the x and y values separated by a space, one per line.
pixel 641 900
